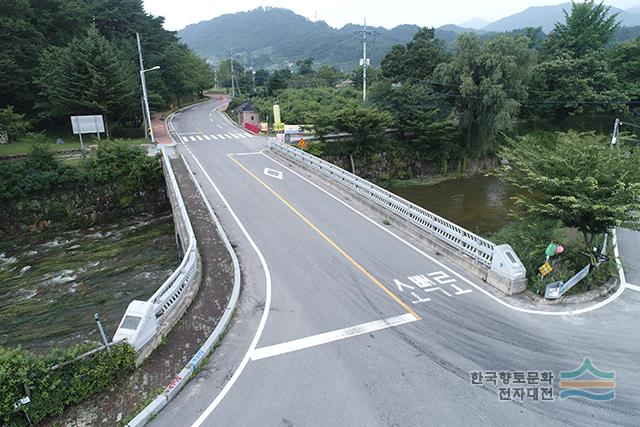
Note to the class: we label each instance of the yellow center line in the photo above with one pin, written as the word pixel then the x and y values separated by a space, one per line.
pixel 328 239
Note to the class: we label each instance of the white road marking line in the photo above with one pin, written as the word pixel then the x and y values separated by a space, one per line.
pixel 213 136
pixel 234 135
pixel 327 337
pixel 241 135
pixel 185 139
pixel 247 154
pixel 193 138
pixel 228 136
pixel 633 287
pixel 220 126
pixel 221 136
pixel 273 173
pixel 461 277
pixel 199 138
pixel 206 137
pixel 265 312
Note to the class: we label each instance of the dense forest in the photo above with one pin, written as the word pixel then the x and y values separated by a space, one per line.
pixel 65 57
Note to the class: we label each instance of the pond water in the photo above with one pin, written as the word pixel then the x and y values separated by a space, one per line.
pixel 479 203
pixel 52 284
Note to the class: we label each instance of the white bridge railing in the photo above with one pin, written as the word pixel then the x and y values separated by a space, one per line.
pixel 471 244
pixel 173 287
pixel 139 324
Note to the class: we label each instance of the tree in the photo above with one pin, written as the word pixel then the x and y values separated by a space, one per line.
pixel 588 27
pixel 489 83
pixel 578 180
pixel 367 127
pixel 329 75
pixel 373 74
pixel 420 125
pixel 26 28
pixel 624 60
pixel 86 77
pixel 278 80
pixel 566 85
pixel 305 66
pixel 416 60
pixel 12 125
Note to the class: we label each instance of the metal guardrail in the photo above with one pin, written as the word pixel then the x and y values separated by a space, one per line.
pixel 471 244
pixel 170 291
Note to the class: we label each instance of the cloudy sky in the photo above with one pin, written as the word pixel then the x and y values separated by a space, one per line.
pixel 180 13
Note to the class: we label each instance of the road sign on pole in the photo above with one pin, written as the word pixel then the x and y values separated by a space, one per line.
pixel 87 124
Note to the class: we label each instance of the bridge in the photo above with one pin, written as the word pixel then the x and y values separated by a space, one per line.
pixel 350 313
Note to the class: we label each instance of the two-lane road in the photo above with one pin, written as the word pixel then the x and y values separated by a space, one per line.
pixel 344 322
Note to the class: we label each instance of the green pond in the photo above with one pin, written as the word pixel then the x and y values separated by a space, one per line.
pixel 51 284
pixel 479 203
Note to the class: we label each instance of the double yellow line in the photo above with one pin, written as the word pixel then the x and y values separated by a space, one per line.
pixel 329 240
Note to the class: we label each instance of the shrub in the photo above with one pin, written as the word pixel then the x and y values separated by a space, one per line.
pixel 529 237
pixel 52 390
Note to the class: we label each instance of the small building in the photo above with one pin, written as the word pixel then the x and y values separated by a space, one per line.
pixel 248 114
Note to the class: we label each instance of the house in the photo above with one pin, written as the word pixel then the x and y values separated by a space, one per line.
pixel 248 115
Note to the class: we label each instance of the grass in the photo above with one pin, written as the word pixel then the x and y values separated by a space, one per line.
pixel 24 147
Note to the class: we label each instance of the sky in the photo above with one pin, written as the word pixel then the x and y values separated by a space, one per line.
pixel 180 13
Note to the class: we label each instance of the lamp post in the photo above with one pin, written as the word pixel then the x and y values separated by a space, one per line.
pixel 146 98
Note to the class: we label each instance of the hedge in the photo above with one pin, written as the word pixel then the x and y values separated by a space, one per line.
pixel 53 390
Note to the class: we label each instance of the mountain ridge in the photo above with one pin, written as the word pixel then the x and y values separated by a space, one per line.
pixel 270 37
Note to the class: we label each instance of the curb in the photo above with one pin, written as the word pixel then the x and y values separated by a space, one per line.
pixel 180 380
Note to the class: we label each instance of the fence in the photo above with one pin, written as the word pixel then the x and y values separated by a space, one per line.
pixel 140 322
pixel 499 258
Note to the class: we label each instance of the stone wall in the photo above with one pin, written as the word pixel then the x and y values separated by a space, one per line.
pixel 76 208
pixel 382 166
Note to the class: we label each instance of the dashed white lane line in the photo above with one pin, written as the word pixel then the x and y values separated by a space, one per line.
pixel 633 287
pixel 199 138
pixel 206 137
pixel 332 336
pixel 220 126
pixel 213 136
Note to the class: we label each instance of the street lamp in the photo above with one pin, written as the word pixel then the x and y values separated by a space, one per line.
pixel 146 99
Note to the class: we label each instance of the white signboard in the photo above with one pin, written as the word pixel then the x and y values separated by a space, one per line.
pixel 87 124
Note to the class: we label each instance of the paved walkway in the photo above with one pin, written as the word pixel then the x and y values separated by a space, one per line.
pixel 629 245
pixel 121 402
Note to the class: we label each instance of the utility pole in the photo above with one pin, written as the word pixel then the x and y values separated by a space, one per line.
pixel 145 97
pixel 616 132
pixel 364 61
pixel 233 88
pixel 144 110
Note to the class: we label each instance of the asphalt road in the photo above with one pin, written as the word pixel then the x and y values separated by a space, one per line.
pixel 342 323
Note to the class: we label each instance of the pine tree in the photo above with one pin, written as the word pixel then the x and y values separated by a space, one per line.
pixel 86 77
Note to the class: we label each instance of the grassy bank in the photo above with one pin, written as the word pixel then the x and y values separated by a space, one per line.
pixel 25 146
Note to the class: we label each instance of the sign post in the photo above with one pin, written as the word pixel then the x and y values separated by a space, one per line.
pixel 87 124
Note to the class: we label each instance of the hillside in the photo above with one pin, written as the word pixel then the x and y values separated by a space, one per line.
pixel 547 16
pixel 273 37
